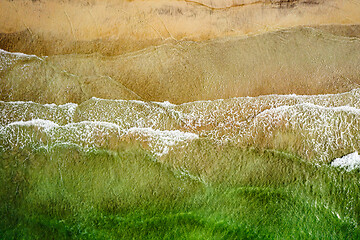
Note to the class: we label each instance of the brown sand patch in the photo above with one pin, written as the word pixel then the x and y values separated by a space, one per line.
pixel 78 25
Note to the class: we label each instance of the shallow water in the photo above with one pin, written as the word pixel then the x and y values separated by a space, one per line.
pixel 318 128
pixel 300 60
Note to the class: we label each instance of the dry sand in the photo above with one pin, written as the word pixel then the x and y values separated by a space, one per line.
pixel 112 27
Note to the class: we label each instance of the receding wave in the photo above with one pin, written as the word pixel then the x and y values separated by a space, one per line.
pixel 300 60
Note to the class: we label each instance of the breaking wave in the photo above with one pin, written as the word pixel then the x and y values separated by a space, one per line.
pixel 319 128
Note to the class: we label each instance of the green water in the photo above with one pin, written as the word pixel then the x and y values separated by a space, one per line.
pixel 66 192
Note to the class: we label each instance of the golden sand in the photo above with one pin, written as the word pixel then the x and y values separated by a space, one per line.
pixel 55 27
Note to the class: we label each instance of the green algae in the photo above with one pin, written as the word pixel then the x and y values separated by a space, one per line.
pixel 67 192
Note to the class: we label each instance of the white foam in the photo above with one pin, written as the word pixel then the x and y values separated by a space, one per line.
pixel 18 54
pixel 93 123
pixel 18 102
pixel 173 135
pixel 166 104
pixel 46 124
pixel 284 108
pixel 162 140
pixel 348 162
pixel 119 100
pixel 345 108
pixel 66 105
